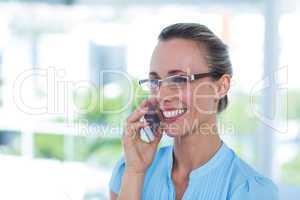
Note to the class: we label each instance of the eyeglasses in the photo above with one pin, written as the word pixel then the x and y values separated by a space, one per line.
pixel 175 81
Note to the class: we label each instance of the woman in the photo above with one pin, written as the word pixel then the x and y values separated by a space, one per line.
pixel 189 77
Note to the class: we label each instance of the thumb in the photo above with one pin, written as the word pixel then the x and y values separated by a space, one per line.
pixel 158 136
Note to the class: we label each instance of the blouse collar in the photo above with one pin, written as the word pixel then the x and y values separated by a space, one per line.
pixel 223 153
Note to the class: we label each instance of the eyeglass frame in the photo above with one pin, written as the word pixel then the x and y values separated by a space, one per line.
pixel 191 77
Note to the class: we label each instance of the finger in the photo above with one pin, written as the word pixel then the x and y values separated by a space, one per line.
pixel 158 136
pixel 138 112
pixel 132 130
pixel 141 110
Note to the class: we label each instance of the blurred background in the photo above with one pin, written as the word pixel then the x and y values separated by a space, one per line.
pixel 68 79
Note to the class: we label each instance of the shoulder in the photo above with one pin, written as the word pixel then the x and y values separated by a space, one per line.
pixel 248 184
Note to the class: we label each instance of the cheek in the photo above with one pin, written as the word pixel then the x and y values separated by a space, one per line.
pixel 192 104
pixel 186 98
pixel 202 100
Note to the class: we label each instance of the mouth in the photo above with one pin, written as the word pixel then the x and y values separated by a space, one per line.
pixel 172 115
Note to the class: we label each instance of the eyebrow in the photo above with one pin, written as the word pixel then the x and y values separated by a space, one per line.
pixel 171 72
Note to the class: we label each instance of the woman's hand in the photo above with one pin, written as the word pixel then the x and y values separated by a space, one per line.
pixel 139 154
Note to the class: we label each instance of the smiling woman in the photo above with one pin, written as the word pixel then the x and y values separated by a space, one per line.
pixel 189 78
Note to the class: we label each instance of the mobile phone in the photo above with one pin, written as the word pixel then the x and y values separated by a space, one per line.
pixel 153 117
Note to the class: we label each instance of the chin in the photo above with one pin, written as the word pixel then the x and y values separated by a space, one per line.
pixel 174 129
pixel 172 133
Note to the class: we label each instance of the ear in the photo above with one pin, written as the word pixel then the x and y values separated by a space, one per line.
pixel 223 85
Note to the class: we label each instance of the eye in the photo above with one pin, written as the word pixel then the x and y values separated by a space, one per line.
pixel 179 79
pixel 153 83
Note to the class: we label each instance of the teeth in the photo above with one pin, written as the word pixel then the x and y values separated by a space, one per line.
pixel 173 113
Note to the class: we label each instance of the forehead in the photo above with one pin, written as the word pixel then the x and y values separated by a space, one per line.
pixel 178 55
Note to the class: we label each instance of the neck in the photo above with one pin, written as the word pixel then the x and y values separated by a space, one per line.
pixel 195 149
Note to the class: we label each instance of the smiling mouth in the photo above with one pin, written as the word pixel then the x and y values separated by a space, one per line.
pixel 172 115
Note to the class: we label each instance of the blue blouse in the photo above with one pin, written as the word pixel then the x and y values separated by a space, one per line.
pixel 224 177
